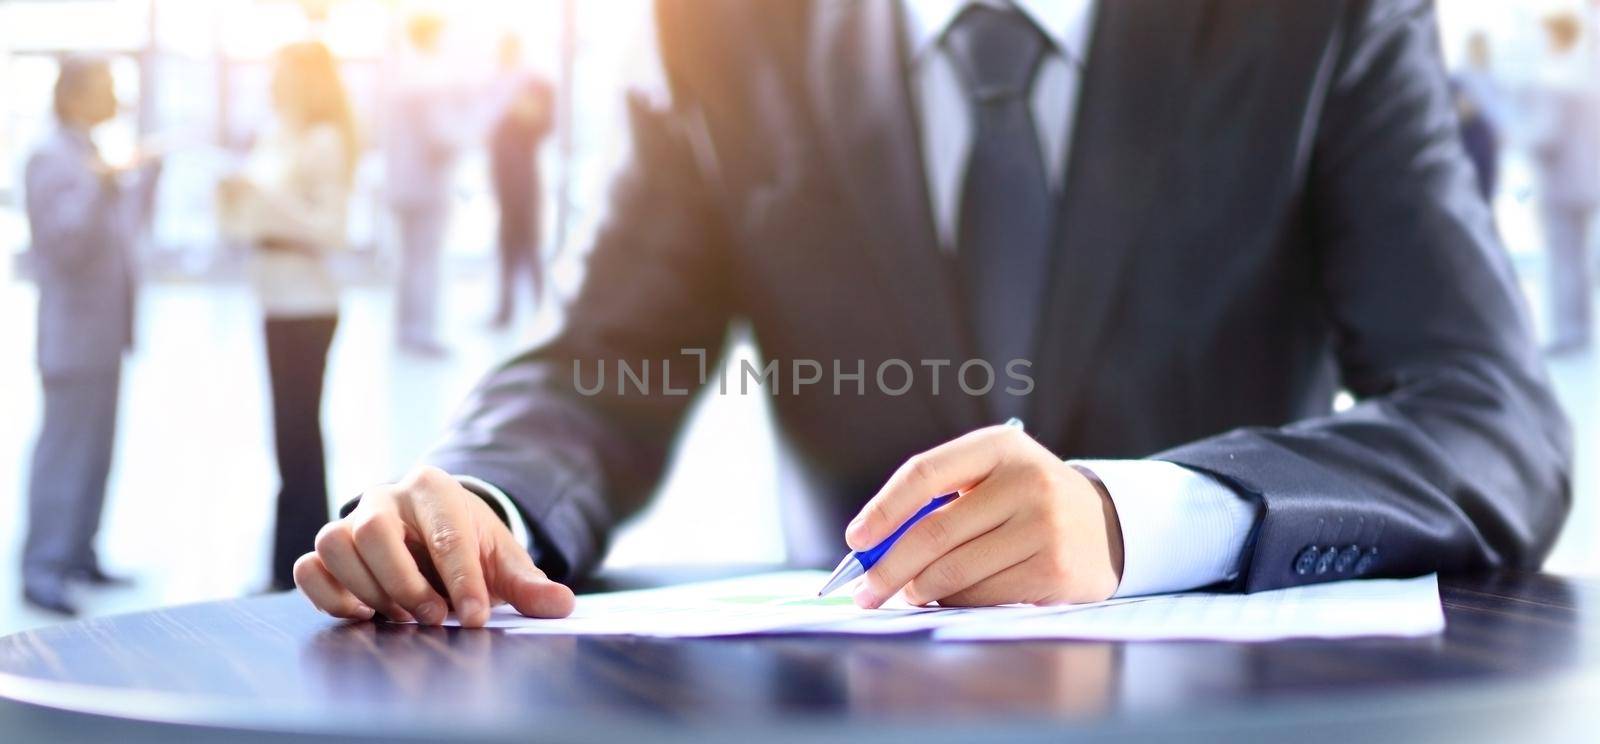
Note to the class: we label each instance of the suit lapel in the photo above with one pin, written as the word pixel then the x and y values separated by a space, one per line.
pixel 858 83
pixel 1122 142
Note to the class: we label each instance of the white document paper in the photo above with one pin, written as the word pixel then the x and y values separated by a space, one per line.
pixel 774 603
pixel 1341 609
pixel 747 604
pixel 786 603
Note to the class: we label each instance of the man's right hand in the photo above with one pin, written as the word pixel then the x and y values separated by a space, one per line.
pixel 407 545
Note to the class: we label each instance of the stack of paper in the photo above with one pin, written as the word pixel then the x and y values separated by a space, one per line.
pixel 786 603
pixel 1340 609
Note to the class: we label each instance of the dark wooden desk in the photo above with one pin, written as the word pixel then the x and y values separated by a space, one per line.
pixel 1519 661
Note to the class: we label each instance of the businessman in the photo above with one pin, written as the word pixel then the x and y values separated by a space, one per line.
pixel 1179 227
pixel 514 144
pixel 1565 141
pixel 84 216
pixel 1479 106
pixel 421 149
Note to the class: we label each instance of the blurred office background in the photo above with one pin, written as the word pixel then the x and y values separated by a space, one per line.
pixel 189 511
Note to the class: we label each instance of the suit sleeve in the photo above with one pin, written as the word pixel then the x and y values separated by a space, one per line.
pixel 71 210
pixel 577 448
pixel 1456 455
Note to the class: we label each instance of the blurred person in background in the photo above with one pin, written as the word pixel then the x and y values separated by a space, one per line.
pixel 85 216
pixel 1478 101
pixel 425 131
pixel 1565 143
pixel 291 206
pixel 514 164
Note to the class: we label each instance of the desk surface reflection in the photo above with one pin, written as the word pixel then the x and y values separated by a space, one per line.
pixel 1518 657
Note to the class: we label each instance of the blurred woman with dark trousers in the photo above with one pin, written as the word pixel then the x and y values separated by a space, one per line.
pixel 290 205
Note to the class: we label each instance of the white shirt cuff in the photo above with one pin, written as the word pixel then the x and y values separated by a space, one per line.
pixel 514 520
pixel 1181 529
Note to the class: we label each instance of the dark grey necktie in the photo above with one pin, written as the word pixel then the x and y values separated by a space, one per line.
pixel 1007 215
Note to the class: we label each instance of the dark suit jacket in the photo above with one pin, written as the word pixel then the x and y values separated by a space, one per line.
pixel 1266 202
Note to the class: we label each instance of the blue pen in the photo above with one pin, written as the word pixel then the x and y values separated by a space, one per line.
pixel 858 563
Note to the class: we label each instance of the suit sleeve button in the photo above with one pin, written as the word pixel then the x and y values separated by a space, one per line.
pixel 1367 561
pixel 1306 561
pixel 1325 560
pixel 1347 559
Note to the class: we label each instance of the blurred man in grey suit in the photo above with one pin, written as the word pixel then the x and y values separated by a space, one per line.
pixel 84 216
pixel 423 139
pixel 1566 149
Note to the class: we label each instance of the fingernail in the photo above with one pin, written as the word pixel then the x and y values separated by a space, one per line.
pixel 400 616
pixel 430 613
pixel 865 599
pixel 365 612
pixel 469 609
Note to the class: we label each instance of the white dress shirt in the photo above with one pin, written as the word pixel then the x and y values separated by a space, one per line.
pixel 1180 529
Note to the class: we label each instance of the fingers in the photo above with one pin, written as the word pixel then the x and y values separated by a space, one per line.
pixel 337 550
pixel 952 466
pixel 514 578
pixel 380 540
pixel 933 538
pixel 409 546
pixel 448 531
pixel 971 564
pixel 1017 584
pixel 325 592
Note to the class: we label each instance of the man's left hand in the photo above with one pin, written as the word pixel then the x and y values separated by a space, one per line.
pixel 1028 528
